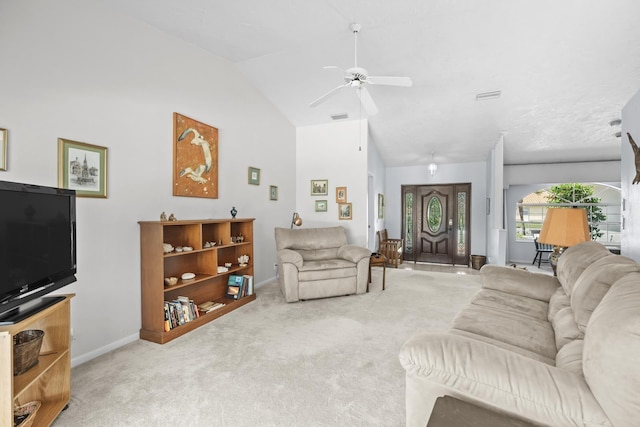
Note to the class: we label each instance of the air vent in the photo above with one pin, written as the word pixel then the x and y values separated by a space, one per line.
pixel 488 95
pixel 340 116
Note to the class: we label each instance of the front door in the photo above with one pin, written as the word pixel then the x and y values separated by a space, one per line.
pixel 436 223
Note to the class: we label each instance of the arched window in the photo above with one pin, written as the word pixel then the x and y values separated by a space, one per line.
pixel 601 201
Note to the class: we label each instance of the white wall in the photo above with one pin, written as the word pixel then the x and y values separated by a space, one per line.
pixel 630 243
pixel 76 70
pixel 336 152
pixel 475 173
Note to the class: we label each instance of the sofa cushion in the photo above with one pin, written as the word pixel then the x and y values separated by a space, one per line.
pixel 326 269
pixel 557 302
pixel 569 357
pixel 514 329
pixel 510 302
pixel 565 328
pixel 310 239
pixel 594 283
pixel 611 349
pixel 575 260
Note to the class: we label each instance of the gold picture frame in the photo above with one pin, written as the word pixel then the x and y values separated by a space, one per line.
pixel 341 194
pixel 82 167
pixel 195 158
pixel 3 149
pixel 345 211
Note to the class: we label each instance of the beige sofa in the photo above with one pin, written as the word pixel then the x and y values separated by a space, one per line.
pixel 559 351
pixel 319 263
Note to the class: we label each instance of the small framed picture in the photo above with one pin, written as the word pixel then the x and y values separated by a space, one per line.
pixel 319 187
pixel 321 205
pixel 273 192
pixel 344 211
pixel 82 167
pixel 380 205
pixel 3 149
pixel 341 194
pixel 254 176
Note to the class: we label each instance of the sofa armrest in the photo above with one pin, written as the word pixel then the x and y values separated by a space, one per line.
pixel 519 282
pixel 496 378
pixel 290 256
pixel 353 253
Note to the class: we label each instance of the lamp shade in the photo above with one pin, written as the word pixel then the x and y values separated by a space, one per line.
pixel 296 220
pixel 565 227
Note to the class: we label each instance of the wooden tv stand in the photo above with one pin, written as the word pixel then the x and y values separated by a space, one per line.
pixel 50 380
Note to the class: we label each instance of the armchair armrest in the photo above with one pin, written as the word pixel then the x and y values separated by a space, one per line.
pixel 519 282
pixel 353 253
pixel 480 372
pixel 290 256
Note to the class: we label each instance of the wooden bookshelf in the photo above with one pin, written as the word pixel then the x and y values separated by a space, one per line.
pixel 208 285
pixel 50 380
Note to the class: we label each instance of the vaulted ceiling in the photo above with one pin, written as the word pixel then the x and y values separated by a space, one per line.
pixel 565 68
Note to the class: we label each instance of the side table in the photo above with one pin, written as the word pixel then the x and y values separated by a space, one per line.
pixel 378 260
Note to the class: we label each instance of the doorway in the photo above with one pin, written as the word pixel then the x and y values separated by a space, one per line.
pixel 435 223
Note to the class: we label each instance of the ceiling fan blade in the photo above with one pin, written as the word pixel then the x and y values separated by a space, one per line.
pixel 334 67
pixel 367 101
pixel 327 95
pixel 389 80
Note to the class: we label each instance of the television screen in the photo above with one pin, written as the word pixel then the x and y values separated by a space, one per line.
pixel 37 242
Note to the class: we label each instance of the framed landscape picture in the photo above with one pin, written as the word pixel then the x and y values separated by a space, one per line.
pixel 319 187
pixel 273 192
pixel 344 211
pixel 254 176
pixel 321 205
pixel 341 194
pixel 380 205
pixel 195 158
pixel 82 167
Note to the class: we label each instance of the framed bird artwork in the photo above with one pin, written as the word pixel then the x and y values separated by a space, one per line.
pixel 195 158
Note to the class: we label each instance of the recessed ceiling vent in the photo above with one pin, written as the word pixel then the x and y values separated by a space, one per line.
pixel 340 116
pixel 488 95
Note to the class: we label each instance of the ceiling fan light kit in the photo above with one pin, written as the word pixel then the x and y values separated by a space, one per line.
pixel 358 78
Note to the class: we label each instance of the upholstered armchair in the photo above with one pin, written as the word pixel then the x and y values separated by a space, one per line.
pixel 390 248
pixel 319 263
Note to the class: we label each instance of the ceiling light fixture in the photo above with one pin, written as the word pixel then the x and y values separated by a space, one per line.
pixel 488 95
pixel 432 166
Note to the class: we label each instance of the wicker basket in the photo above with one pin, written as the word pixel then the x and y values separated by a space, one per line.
pixel 24 415
pixel 26 349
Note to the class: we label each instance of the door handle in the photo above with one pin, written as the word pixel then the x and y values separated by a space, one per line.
pixel 450 224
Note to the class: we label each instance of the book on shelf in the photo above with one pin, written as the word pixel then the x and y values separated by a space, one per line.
pixel 209 306
pixel 178 312
pixel 234 287
pixel 247 280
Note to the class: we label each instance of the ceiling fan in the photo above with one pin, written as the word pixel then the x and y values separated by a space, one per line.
pixel 358 78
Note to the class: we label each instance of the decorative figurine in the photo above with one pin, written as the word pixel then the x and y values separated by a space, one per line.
pixel 234 212
pixel 163 216
pixel 172 218
pixel 243 260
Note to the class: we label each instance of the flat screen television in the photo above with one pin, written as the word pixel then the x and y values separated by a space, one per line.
pixel 37 246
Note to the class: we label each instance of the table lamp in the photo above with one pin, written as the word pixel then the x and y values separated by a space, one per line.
pixel 564 227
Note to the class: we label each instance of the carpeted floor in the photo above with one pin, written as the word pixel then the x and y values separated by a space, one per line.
pixel 330 362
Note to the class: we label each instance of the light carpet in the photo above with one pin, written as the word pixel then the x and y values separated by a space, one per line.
pixel 328 362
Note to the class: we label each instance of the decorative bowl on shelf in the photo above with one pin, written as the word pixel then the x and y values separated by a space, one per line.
pixel 228 264
pixel 188 276
pixel 170 281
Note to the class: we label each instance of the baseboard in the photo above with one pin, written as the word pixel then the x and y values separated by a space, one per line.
pixel 103 350
pixel 126 340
